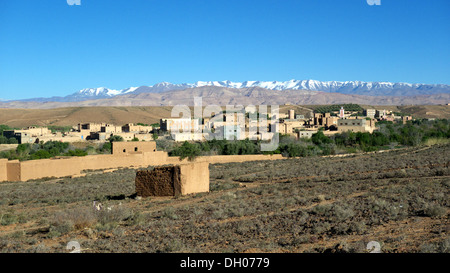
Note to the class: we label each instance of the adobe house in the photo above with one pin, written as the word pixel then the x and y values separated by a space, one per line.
pixel 133 147
pixel 173 180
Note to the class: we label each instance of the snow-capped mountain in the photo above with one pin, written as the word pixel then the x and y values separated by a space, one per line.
pixel 347 87
pixel 101 92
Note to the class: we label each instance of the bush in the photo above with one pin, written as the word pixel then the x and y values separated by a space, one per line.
pixel 107 147
pixel 3 140
pixel 12 141
pixel 319 138
pixel 115 138
pixel 169 213
pixel 41 154
pixel 68 220
pixel 187 150
pixel 435 210
pixel 8 219
pixel 76 152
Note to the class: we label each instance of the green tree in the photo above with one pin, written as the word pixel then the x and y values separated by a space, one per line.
pixel 4 128
pixel 187 150
pixel 40 154
pixel 3 140
pixel 319 138
pixel 115 138
pixel 107 147
pixel 76 152
pixel 13 140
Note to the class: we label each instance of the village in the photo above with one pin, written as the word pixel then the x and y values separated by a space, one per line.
pixel 229 126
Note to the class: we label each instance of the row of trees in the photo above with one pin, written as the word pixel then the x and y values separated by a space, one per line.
pixel 336 107
pixel 41 151
pixel 5 140
pixel 51 149
pixel 216 147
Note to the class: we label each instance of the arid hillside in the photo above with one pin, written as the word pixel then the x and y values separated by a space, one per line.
pixel 74 115
pixel 70 116
pixel 151 114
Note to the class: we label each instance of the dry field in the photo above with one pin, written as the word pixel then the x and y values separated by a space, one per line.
pixel 398 198
pixel 6 147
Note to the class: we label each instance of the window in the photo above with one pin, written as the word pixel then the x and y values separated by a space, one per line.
pixel 136 149
pixel 124 150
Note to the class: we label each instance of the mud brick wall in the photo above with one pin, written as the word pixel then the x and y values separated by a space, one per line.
pixel 3 170
pixel 195 179
pixel 159 182
pixel 13 170
pixel 173 180
pixel 121 148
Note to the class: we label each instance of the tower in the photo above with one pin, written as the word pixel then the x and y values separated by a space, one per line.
pixel 291 114
pixel 341 112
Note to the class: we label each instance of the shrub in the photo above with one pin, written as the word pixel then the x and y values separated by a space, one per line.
pixel 342 213
pixel 60 229
pixel 187 150
pixel 3 140
pixel 107 147
pixel 12 140
pixel 77 218
pixel 322 209
pixel 113 215
pixel 76 152
pixel 435 210
pixel 169 213
pixel 115 138
pixel 8 219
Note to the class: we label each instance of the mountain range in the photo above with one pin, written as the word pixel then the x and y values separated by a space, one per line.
pixel 261 92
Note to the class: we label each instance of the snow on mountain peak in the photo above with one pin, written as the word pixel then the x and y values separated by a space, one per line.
pixel 346 87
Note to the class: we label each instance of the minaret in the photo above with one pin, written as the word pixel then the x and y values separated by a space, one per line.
pixel 341 112
pixel 291 114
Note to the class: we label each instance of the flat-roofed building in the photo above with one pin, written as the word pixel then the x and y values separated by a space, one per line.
pixel 356 125
pixel 179 125
pixel 29 134
pixel 135 128
pixel 134 147
pixel 91 127
pixel 370 113
pixel 188 136
pixel 110 128
pixel 306 133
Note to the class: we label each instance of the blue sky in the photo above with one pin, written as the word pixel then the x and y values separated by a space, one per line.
pixel 48 48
